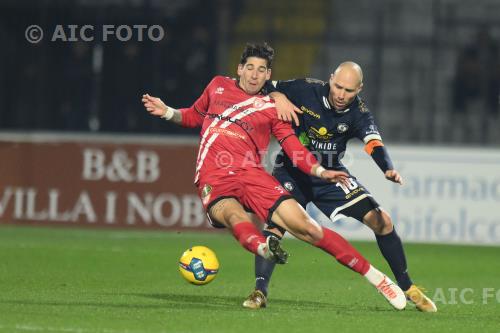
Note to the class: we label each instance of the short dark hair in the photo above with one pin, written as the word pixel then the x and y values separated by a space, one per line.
pixel 263 51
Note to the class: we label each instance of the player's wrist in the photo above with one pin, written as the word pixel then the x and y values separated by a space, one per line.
pixel 169 113
pixel 318 170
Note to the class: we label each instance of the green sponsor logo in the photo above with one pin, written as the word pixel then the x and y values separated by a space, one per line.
pixel 304 139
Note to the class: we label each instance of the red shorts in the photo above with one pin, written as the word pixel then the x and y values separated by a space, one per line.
pixel 254 188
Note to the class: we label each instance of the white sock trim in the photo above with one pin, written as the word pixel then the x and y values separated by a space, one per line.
pixel 263 251
pixel 374 276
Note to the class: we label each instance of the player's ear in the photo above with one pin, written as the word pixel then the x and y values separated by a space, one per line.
pixel 268 74
pixel 240 70
pixel 360 87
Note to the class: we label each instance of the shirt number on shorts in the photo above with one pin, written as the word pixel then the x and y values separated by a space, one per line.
pixel 352 186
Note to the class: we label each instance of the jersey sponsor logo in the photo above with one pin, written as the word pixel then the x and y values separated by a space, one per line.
pixel 226 105
pixel 227 132
pixel 342 127
pixel 354 192
pixel 309 112
pixel 320 134
pixel 243 124
pixel 321 146
pixel 219 90
pixel 304 139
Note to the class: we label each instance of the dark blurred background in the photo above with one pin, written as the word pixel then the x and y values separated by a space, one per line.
pixel 432 67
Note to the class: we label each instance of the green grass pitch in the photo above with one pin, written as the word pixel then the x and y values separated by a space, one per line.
pixel 106 281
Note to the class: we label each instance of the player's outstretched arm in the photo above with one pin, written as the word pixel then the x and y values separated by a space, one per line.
pixel 376 149
pixel 287 111
pixel 156 107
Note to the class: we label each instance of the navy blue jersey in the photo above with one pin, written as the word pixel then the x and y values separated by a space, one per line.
pixel 324 130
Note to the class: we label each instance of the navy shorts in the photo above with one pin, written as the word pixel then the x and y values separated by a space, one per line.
pixel 334 200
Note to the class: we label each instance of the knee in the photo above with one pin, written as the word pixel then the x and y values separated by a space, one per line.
pixel 235 217
pixel 311 232
pixel 379 221
pixel 383 224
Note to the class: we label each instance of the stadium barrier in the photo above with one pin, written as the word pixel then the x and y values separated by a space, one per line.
pixel 112 181
pixel 449 195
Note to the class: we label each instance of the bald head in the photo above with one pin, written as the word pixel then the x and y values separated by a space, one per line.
pixel 350 70
pixel 345 84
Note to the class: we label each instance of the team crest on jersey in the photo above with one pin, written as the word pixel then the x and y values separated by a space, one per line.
pixel 342 127
pixel 219 90
pixel 288 186
pixel 258 103
pixel 320 134
pixel 205 193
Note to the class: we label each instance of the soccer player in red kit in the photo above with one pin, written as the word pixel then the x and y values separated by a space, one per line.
pixel 236 123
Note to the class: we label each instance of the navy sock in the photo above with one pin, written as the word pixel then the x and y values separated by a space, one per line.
pixel 263 269
pixel 392 249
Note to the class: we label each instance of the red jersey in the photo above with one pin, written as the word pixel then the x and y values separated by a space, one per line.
pixel 235 127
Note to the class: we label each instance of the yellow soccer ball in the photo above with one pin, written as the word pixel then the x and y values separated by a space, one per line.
pixel 198 265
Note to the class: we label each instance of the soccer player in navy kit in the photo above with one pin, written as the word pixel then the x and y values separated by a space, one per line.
pixel 332 114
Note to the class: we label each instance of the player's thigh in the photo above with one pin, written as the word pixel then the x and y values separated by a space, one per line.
pixel 228 211
pixel 293 218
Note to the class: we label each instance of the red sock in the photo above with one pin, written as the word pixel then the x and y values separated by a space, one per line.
pixel 343 251
pixel 249 236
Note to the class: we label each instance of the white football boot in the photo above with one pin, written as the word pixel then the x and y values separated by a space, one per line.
pixel 391 291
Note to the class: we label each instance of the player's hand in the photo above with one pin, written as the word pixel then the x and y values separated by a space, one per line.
pixel 394 176
pixel 154 105
pixel 287 111
pixel 336 177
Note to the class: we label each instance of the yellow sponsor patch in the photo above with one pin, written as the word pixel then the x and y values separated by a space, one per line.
pixel 309 112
